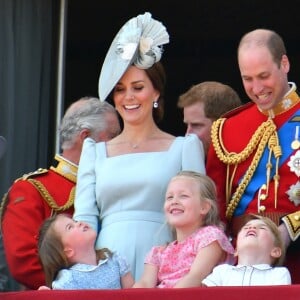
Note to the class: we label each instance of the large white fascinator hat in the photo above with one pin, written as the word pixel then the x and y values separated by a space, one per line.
pixel 2 145
pixel 138 42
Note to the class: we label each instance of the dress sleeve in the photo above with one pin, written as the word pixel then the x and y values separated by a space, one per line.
pixel 153 257
pixel 63 281
pixel 193 158
pixel 208 235
pixel 85 203
pixel 123 264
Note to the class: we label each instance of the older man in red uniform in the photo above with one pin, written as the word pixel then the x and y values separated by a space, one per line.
pixel 255 158
pixel 40 194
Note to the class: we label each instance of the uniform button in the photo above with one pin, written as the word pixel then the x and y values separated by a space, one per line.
pixel 262 197
pixel 297 218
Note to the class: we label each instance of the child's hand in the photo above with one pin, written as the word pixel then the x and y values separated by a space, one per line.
pixel 43 287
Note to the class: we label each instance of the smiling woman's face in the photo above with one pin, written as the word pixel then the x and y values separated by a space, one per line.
pixel 134 95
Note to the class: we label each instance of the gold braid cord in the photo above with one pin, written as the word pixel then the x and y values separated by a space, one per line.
pixel 257 142
pixel 49 199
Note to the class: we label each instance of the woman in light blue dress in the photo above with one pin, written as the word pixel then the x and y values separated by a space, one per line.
pixel 121 184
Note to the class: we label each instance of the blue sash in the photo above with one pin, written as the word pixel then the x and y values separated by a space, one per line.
pixel 286 136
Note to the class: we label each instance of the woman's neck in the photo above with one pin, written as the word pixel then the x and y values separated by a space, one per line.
pixel 137 136
pixel 139 133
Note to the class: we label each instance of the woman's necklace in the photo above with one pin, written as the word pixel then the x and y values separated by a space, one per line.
pixel 137 144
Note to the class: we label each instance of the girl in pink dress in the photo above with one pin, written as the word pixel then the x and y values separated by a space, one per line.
pixel 201 244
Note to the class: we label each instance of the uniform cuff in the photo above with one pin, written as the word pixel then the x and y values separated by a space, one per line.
pixel 292 222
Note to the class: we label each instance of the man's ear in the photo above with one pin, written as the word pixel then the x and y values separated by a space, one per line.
pixel 84 133
pixel 276 252
pixel 285 64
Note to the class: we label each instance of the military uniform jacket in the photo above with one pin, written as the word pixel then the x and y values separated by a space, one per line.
pixel 30 200
pixel 255 180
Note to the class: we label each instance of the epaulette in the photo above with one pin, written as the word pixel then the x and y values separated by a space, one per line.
pixel 237 110
pixel 4 200
pixel 39 171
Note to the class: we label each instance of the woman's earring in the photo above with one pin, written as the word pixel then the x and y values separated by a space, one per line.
pixel 155 104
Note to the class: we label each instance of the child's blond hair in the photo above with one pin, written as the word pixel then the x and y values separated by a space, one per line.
pixel 207 192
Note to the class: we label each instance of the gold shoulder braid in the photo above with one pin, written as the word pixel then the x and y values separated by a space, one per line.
pixel 24 177
pixel 49 199
pixel 65 169
pixel 264 135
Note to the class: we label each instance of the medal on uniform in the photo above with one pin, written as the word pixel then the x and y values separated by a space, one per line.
pixel 296 143
pixel 294 163
pixel 294 190
pixel 294 193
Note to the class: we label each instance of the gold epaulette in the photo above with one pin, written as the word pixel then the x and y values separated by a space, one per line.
pixel 292 222
pixel 45 194
pixel 43 191
pixel 39 171
pixel 24 177
pixel 237 110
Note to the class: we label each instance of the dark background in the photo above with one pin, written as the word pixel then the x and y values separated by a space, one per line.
pixel 203 40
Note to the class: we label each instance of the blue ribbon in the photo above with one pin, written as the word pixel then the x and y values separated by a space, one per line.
pixel 285 135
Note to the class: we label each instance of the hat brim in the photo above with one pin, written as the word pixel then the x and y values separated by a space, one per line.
pixel 114 65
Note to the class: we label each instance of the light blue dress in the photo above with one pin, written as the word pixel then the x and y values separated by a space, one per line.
pixel 126 195
pixel 106 275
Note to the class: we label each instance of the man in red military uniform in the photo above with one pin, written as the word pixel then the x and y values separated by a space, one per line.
pixel 38 195
pixel 255 157
pixel 4 274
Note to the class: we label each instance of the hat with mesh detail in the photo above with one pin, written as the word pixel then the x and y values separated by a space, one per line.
pixel 139 42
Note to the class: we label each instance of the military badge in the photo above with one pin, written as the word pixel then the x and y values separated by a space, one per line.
pixel 296 143
pixel 294 163
pixel 294 193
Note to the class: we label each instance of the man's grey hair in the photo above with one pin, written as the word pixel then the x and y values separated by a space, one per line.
pixel 86 113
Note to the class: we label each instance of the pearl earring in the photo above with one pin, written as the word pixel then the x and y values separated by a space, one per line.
pixel 155 104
